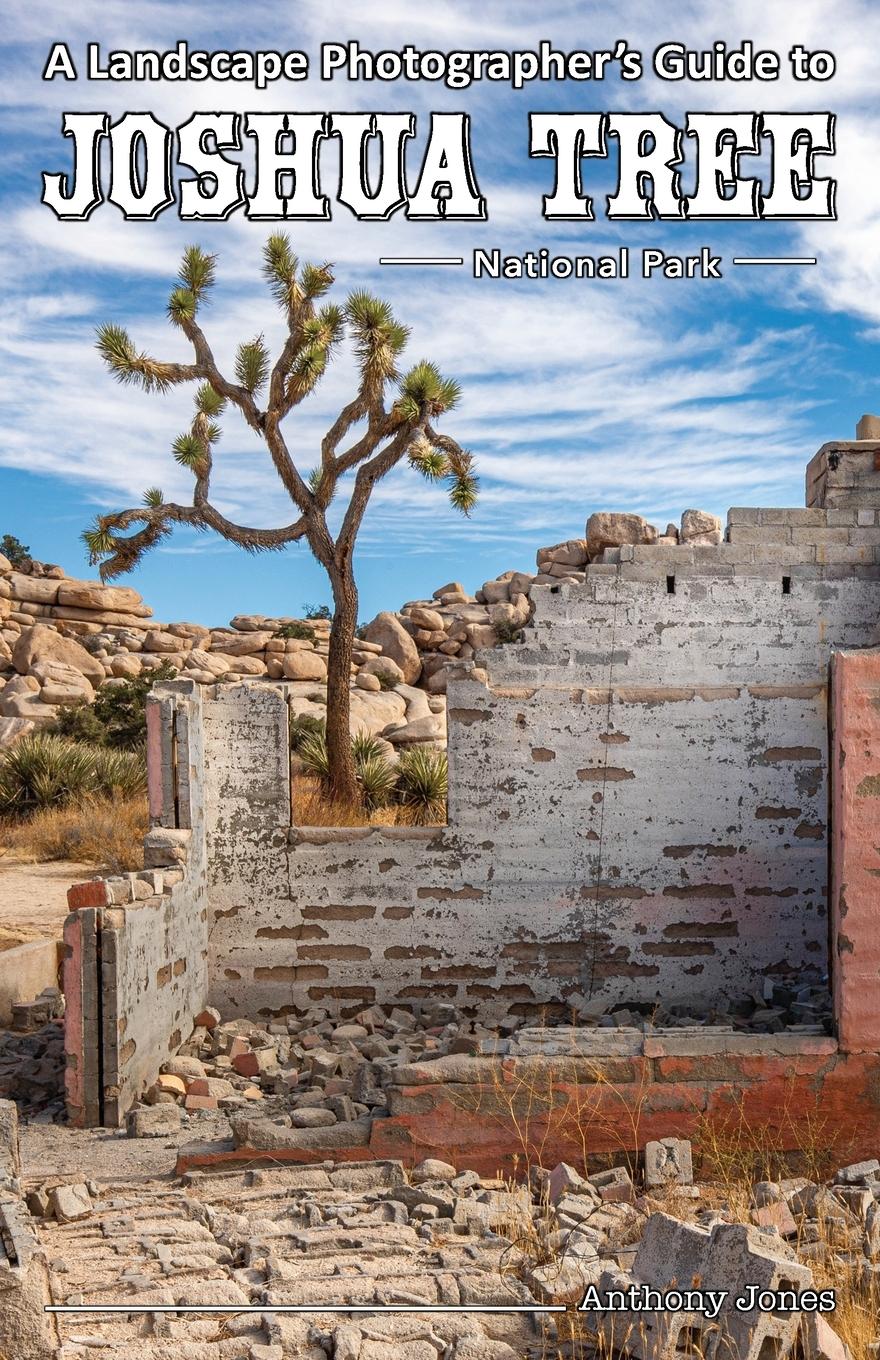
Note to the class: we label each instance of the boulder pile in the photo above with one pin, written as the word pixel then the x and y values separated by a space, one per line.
pixel 62 638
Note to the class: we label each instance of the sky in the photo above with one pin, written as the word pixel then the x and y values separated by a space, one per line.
pixel 646 396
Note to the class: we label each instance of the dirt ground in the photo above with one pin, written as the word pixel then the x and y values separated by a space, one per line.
pixel 33 898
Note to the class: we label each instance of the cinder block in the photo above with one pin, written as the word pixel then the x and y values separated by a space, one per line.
pixel 85 895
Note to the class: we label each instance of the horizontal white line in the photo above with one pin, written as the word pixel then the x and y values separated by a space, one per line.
pixel 299 1308
pixel 777 259
pixel 421 259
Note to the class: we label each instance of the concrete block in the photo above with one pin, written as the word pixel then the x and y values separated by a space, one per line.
pixel 70 1203
pixel 668 1161
pixel 156 1121
pixel 26 971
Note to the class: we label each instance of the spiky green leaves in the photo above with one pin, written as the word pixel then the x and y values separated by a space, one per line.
pixel 189 451
pixel 99 541
pixel 315 280
pixel 424 390
pixel 195 278
pixel 252 364
pixel 289 284
pixel 279 269
pixel 209 402
pixel 117 553
pixel 128 365
pixel 378 337
pixel 196 273
pixel 193 448
pixel 153 497
pixel 441 459
pixel 428 460
pixel 182 306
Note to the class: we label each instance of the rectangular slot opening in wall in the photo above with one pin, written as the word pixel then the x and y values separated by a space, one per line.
pixel 786 585
pixel 670 585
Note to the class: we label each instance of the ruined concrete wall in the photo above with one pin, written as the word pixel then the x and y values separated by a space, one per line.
pixel 136 968
pixel 638 807
pixel 855 884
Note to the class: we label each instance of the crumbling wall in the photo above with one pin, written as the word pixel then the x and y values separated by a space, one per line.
pixel 638 808
pixel 135 971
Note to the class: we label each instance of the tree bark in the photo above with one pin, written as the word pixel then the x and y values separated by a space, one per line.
pixel 343 781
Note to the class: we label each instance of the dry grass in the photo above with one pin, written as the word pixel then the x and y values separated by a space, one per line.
pixel 107 833
pixel 560 1103
pixel 312 807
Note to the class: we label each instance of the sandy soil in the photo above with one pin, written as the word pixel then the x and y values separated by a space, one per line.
pixel 107 1154
pixel 33 898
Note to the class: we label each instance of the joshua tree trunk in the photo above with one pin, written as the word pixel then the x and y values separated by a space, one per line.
pixel 343 781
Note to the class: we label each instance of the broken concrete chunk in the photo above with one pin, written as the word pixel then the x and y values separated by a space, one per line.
pixel 156 1121
pixel 432 1169
pixel 668 1161
pixel 70 1203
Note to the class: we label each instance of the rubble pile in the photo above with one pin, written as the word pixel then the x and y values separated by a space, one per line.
pixel 374 1235
pixel 315 1071
pixel 32 1072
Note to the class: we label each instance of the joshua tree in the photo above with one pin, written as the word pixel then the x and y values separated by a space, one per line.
pixel 390 417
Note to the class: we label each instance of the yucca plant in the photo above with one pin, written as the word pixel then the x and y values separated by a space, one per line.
pixel 121 774
pixel 422 784
pixel 365 747
pixel 44 771
pixel 303 728
pixel 312 751
pixel 389 419
pixel 377 778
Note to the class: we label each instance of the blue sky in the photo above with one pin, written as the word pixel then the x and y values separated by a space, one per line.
pixel 644 396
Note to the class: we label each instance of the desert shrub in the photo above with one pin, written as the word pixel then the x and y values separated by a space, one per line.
pixel 105 832
pixel 79 722
pixel 377 779
pixel 387 680
pixel 301 631
pixel 44 770
pixel 313 754
pixel 304 727
pixel 317 611
pixel 17 552
pixel 376 776
pixel 422 784
pixel 118 717
pixel 365 747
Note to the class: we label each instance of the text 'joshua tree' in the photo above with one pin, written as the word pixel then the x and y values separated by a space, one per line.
pixel 389 418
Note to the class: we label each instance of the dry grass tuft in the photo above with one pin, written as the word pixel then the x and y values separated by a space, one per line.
pixel 312 807
pixel 105 832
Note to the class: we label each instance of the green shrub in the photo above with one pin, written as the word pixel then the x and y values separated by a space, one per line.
pixel 387 680
pixel 17 552
pixel 317 611
pixel 118 717
pixel 304 728
pixel 301 631
pixel 79 722
pixel 44 770
pixel 422 784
